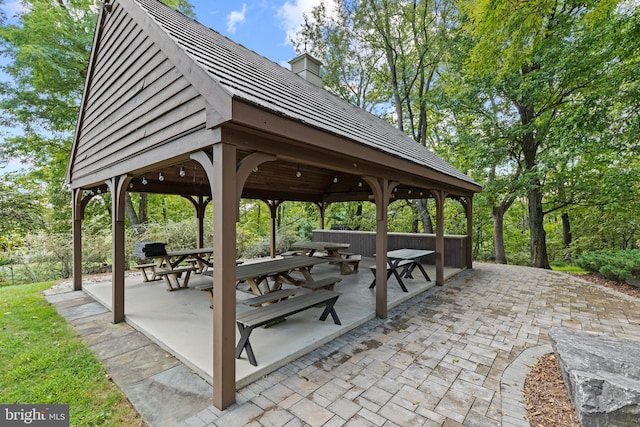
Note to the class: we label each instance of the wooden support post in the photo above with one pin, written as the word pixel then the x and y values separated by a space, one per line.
pixel 78 215
pixel 439 197
pixel 469 212
pixel 382 189
pixel 118 188
pixel 221 172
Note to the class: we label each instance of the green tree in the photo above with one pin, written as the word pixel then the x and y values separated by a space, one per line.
pixel 47 50
pixel 543 59
pixel 22 208
pixel 385 56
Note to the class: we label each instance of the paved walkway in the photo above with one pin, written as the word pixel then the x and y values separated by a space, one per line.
pixel 455 356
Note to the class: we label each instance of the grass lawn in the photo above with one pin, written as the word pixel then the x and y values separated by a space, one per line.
pixel 45 362
pixel 567 268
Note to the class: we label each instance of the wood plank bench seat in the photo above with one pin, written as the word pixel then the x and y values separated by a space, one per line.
pixel 271 297
pixel 175 274
pixel 405 264
pixel 143 268
pixel 326 283
pixel 261 316
pixel 291 253
pixel 351 260
pixel 208 288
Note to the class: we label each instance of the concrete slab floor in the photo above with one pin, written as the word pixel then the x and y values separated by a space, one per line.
pixel 181 322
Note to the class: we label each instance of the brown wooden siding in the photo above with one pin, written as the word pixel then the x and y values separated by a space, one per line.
pixel 136 102
pixel 364 243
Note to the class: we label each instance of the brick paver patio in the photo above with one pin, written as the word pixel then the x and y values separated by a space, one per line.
pixel 455 356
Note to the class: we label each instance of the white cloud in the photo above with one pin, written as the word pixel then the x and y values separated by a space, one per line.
pixel 236 17
pixel 291 14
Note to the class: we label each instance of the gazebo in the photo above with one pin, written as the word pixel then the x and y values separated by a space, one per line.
pixel 173 107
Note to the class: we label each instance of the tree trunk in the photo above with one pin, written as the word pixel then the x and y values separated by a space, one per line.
pixel 566 236
pixel 539 256
pixel 427 224
pixel 131 215
pixel 497 214
pixel 136 221
pixel 143 212
pixel 538 237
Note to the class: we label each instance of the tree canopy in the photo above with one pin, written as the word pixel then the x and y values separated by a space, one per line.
pixel 538 101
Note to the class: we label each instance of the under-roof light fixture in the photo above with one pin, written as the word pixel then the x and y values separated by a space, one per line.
pixel 409 192
pixel 144 180
pixel 298 173
pixel 395 190
pixel 360 183
pixel 421 194
pixel 255 170
pixel 182 172
pixel 160 177
pixel 131 185
pixel 335 179
pixel 99 190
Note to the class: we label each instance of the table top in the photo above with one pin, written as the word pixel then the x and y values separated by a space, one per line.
pixel 275 266
pixel 408 253
pixel 187 252
pixel 321 246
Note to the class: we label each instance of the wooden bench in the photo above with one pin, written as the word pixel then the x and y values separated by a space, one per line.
pixel 291 253
pixel 261 316
pixel 269 298
pixel 353 261
pixel 405 264
pixel 326 283
pixel 143 268
pixel 176 274
pixel 208 288
pixel 349 260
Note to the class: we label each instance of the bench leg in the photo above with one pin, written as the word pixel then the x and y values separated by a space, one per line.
pixel 244 344
pixel 373 282
pixel 345 268
pixel 167 281
pixel 330 310
pixel 185 282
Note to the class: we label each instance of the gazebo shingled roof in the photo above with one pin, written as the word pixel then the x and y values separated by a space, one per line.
pixel 164 94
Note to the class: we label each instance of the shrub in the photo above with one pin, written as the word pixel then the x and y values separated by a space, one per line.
pixel 612 264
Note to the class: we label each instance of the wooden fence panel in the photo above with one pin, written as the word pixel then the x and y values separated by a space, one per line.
pixel 364 243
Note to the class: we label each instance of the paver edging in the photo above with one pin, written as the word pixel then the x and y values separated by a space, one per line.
pixel 512 384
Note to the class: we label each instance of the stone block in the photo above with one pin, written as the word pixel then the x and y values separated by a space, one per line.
pixel 602 375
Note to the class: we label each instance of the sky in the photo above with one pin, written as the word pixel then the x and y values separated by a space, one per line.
pixel 263 26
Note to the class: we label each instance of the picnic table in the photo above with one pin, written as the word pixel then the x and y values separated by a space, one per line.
pixel 407 259
pixel 167 266
pixel 333 252
pixel 279 271
pixel 201 257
